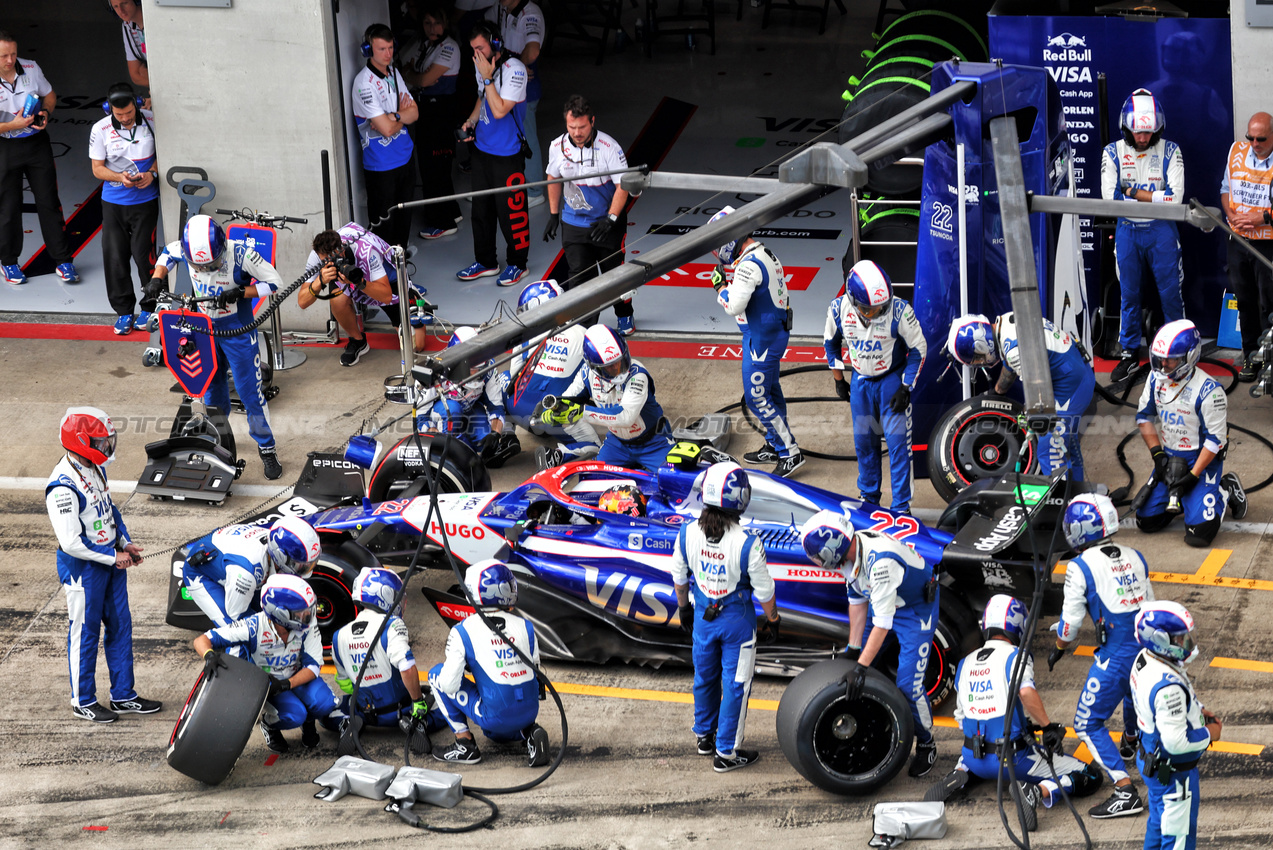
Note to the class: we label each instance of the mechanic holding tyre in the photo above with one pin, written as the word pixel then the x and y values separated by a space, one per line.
pixel 727 569
pixel 886 350
pixel 893 589
pixel 1183 418
pixel 223 571
pixel 503 696
pixel 1111 583
pixel 283 640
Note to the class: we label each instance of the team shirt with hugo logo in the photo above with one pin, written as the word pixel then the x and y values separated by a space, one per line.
pixel 983 681
pixel 875 346
pixel 391 654
pixel 1110 582
pixel 756 295
pixel 240 266
pixel 625 406
pixel 587 196
pixel 379 94
pixel 1192 415
pixel 123 151
pixel 503 680
pixel 499 136
pixel 718 569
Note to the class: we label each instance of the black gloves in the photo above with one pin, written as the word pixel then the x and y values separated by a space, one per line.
pixel 1161 461
pixel 842 389
pixel 153 287
pixel 1053 736
pixel 211 661
pixel 601 230
pixel 900 400
pixel 686 613
pixel 1054 656
pixel 550 229
pixel 277 686
pixel 767 629
pixel 487 444
pixel 851 653
pixel 857 681
pixel 228 297
pixel 1183 481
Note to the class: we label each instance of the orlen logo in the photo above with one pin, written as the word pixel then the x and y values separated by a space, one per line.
pixel 473 532
pixel 454 612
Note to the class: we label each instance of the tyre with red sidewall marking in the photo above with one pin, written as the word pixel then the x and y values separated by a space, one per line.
pixel 217 720
pixel 333 585
pixel 977 438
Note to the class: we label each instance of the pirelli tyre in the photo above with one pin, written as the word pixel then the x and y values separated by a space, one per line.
pixel 978 438
pixel 841 746
pixel 217 720
pixel 458 467
pixel 333 585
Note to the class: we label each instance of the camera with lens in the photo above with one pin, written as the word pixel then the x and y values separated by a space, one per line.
pixel 347 267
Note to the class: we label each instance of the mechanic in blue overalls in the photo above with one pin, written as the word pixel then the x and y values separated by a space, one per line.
pixel 756 297
pixel 503 697
pixel 223 571
pixel 1144 167
pixel 283 640
pixel 389 692
pixel 544 368
pixel 226 269
pixel 886 350
pixel 1111 583
pixel 726 568
pixel 973 341
pixel 1187 442
pixel 891 587
pixel 1175 728
pixel 471 410
pixel 622 395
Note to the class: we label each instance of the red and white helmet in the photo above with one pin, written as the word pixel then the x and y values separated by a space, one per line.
pixel 88 432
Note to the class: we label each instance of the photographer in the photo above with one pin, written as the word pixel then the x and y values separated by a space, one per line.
pixel 26 102
pixel 359 266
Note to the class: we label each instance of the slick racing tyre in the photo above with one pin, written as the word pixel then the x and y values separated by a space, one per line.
pixel 978 438
pixel 217 720
pixel 458 467
pixel 840 746
pixel 333 584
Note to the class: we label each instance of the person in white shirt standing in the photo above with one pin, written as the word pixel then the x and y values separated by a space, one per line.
pixel 133 27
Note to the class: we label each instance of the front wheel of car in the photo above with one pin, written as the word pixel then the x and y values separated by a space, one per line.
pixel 458 468
pixel 978 438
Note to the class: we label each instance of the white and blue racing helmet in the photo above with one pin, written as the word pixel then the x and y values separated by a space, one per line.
pixel 1004 617
pixel 1089 519
pixel 868 288
pixel 606 353
pixel 492 584
pixel 826 540
pixel 971 341
pixel 203 243
pixel 289 601
pixel 537 293
pixel 726 486
pixel 1166 630
pixel 1142 114
pixel 1176 349
pixel 293 547
pixel 728 252
pixel 377 588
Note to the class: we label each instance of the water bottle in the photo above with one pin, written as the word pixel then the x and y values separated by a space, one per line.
pixel 30 106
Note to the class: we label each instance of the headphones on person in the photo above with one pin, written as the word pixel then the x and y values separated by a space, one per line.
pixel 376 31
pixel 119 96
pixel 490 32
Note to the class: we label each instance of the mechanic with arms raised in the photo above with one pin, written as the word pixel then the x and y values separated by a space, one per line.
pixel 893 587
pixel 283 640
pixel 1188 442
pixel 234 273
pixel 471 410
pixel 726 568
pixel 502 698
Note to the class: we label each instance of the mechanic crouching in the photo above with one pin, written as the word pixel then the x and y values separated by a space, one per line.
pixel 282 640
pixel 727 569
pixel 472 410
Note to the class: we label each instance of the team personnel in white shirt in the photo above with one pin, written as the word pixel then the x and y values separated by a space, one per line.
pixel 25 151
pixel 1246 201
pixel 133 27
pixel 433 70
pixel 590 209
pixel 122 149
pixel 383 108
pixel 521 22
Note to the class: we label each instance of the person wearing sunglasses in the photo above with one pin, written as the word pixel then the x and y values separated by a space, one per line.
pixel 1244 197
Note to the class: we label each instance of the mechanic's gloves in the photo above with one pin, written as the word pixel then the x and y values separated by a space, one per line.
pixel 718 277
pixel 153 288
pixel 856 683
pixel 550 229
pixel 900 400
pixel 487 444
pixel 565 413
pixel 1054 656
pixel 686 613
pixel 277 686
pixel 420 709
pixel 767 629
pixel 228 297
pixel 211 661
pixel 601 230
pixel 1183 481
pixel 842 389
pixel 1053 737
pixel 850 653
pixel 1161 462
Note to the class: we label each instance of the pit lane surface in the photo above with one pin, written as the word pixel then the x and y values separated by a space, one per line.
pixel 631 778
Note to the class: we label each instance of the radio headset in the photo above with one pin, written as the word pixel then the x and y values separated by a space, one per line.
pixel 120 95
pixel 376 31
pixel 490 32
pixel 111 6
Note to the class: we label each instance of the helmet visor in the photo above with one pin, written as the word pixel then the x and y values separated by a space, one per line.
pixel 207 268
pixel 868 311
pixel 105 445
pixel 609 370
pixel 1166 365
pixel 1184 640
pixel 304 616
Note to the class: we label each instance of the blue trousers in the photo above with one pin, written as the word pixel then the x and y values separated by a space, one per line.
pixel 1156 802
pixel 914 627
pixel 1061 447
pixel 1147 250
pixel 724 655
pixel 872 420
pixel 1107 685
pixel 97 596
pixel 649 455
pixel 467 703
pixel 242 357
pixel 1204 504
pixel 380 705
pixel 762 359
pixel 311 701
pixel 449 417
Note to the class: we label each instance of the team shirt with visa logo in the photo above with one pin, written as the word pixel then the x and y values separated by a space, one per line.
pixel 1111 583
pixel 86 522
pixel 1246 181
pixel 125 150
pixel 983 681
pixel 587 196
pixel 280 657
pixel 1159 169
pixel 445 52
pixel 13 96
pixel 1168 712
pixel 390 656
pixel 717 570
pixel 502 678
pixel 625 406
pixel 875 347
pixel 520 27
pixel 240 266
pixel 1191 415
pixel 379 94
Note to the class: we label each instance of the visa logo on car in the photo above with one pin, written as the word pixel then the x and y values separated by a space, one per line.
pixel 641 600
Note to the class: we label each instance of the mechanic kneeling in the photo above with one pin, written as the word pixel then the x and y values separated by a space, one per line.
pixel 473 410
pixel 282 640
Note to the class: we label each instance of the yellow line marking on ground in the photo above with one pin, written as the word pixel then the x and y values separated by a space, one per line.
pixel 1081 752
pixel 1213 563
pixel 1242 664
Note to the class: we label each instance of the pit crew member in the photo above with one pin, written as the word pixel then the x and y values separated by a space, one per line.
pixel 472 410
pixel 383 109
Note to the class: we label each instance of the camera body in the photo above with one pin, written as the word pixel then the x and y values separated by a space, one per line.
pixel 347 267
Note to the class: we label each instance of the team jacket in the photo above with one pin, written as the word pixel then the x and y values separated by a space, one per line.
pixel 1167 710
pixel 86 522
pixel 757 294
pixel 1191 416
pixel 282 659
pixel 890 341
pixel 1066 362
pixel 718 570
pixel 625 406
pixel 390 656
pixel 983 681
pixel 1110 583
pixel 501 677
pixel 240 266
pixel 1160 169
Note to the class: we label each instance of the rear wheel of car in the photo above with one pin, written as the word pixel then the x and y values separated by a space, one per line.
pixel 841 746
pixel 217 720
pixel 458 468
pixel 975 439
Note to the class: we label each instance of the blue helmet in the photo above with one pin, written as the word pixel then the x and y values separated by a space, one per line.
pixel 725 486
pixel 1089 519
pixel 377 588
pixel 492 584
pixel 537 293
pixel 728 252
pixel 971 341
pixel 202 243
pixel 606 352
pixel 869 288
pixel 1176 349
pixel 288 601
pixel 1165 629
pixel 1004 617
pixel 293 547
pixel 1142 114
pixel 826 538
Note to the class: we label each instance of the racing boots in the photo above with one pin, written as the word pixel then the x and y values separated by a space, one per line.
pixel 924 759
pixel 274 740
pixel 463 751
pixel 136 705
pixel 740 758
pixel 790 464
pixel 95 712
pixel 1236 496
pixel 546 458
pixel 269 460
pixel 1127 746
pixel 1026 795
pixel 1123 802
pixel 764 454
pixel 536 745
pixel 309 735
pixel 1127 364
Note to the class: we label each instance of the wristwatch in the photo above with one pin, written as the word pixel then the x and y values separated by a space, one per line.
pixel 1268 218
pixel 614 219
pixel 486 82
pixel 397 117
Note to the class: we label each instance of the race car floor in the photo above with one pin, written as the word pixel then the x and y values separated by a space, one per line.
pixel 631 778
